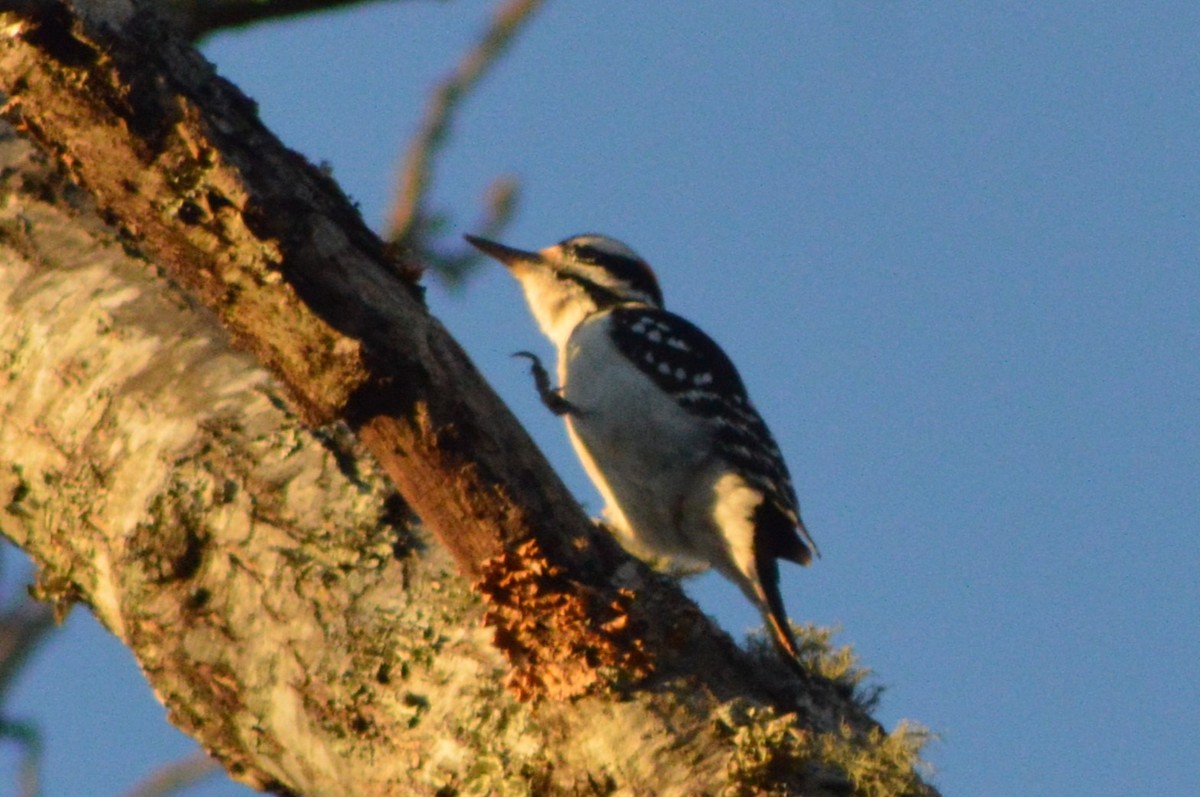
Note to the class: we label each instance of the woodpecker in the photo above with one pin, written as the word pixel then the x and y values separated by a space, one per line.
pixel 661 421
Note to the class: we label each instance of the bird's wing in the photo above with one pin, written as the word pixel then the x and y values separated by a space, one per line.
pixel 686 363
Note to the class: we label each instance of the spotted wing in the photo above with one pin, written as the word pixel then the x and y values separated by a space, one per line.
pixel 686 363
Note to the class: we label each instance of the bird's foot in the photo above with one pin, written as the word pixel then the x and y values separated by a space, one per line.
pixel 550 396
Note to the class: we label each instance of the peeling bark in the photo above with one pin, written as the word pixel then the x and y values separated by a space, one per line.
pixel 176 451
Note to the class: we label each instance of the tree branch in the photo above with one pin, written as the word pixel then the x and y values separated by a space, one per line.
pixel 199 18
pixel 275 624
pixel 272 247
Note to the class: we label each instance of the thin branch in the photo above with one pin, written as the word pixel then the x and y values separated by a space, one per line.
pixel 200 18
pixel 21 628
pixel 25 734
pixel 453 266
pixel 176 776
pixel 444 102
pixel 411 222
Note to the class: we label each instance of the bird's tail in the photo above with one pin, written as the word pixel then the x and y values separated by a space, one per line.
pixel 766 588
pixel 778 535
pixel 781 534
pixel 805 541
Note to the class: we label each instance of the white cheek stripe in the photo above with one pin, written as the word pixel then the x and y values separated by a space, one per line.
pixel 558 306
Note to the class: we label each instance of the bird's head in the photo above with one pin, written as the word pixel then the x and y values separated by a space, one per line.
pixel 567 282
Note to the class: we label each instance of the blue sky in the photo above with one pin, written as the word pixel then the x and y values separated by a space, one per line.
pixel 953 248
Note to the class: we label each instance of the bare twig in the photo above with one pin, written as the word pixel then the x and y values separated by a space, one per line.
pixel 176 776
pixel 21 628
pixel 199 18
pixel 23 621
pixel 411 223
pixel 25 734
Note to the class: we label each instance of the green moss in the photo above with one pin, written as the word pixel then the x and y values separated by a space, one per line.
pixel 775 754
pixel 876 765
pixel 839 665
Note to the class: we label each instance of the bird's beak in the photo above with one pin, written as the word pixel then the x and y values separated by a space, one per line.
pixel 513 258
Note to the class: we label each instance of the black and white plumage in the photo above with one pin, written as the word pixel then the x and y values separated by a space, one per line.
pixel 661 420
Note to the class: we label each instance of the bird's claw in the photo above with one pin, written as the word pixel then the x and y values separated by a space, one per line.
pixel 551 397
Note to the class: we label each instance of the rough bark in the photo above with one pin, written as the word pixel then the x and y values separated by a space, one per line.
pixel 176 451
